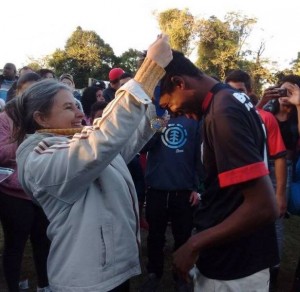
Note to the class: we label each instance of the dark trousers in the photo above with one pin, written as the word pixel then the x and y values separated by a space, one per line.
pixel 125 287
pixel 162 207
pixel 21 219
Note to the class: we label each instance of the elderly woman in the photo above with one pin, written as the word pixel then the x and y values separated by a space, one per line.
pixel 80 178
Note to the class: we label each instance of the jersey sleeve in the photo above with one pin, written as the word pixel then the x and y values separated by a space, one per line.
pixel 236 136
pixel 276 147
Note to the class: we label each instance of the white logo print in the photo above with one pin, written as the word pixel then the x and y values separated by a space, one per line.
pixel 174 136
pixel 244 99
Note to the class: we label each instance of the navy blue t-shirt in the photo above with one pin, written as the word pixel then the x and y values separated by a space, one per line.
pixel 172 156
pixel 233 152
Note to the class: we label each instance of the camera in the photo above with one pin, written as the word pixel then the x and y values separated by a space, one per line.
pixel 282 92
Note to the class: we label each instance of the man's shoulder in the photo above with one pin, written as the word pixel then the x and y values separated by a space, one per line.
pixel 108 89
pixel 232 103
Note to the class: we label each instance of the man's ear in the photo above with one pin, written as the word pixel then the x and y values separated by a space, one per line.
pixel 178 81
pixel 40 119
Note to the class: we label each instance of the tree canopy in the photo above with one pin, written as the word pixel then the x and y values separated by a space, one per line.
pixel 86 55
pixel 179 26
pixel 220 45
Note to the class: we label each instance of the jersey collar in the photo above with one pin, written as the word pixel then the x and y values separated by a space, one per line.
pixel 214 90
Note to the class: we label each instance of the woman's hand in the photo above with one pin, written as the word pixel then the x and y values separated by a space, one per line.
pixel 160 51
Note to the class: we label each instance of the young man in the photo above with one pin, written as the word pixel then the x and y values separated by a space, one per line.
pixel 235 243
pixel 7 79
pixel 241 81
pixel 172 184
pixel 114 83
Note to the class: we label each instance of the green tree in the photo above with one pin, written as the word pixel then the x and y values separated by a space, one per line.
pixel 129 60
pixel 85 55
pixel 179 26
pixel 296 65
pixel 36 64
pixel 223 47
pixel 257 68
pixel 242 27
pixel 218 47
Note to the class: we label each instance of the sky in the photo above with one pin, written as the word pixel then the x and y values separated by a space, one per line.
pixel 34 29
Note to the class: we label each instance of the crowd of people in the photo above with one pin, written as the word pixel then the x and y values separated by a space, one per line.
pixel 207 157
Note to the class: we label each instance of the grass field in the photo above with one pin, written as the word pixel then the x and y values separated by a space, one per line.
pixel 284 284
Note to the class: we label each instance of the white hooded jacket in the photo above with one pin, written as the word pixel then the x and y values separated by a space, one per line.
pixel 84 186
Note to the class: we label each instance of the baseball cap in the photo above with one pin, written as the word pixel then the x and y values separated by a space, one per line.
pixel 115 74
pixel 100 84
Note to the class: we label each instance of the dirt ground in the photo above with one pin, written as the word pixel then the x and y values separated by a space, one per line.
pixel 284 283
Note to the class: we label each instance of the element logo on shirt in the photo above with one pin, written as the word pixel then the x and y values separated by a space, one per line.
pixel 174 136
pixel 244 99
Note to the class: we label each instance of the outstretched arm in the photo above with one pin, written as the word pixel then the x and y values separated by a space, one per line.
pixel 269 94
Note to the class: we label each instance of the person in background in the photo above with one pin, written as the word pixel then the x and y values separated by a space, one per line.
pixel 7 79
pixel 173 158
pixel 114 83
pixel 89 97
pixel 286 109
pixel 101 87
pixel 125 77
pixel 46 73
pixel 11 93
pixel 85 187
pixel 68 79
pixel 99 95
pixel 97 110
pixel 24 81
pixel 234 244
pixel 100 84
pixel 24 70
pixel 287 113
pixel 20 217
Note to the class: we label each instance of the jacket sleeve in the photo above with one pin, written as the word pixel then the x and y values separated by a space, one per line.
pixel 7 147
pixel 66 169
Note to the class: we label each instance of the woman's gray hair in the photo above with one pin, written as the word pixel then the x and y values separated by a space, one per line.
pixel 38 97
